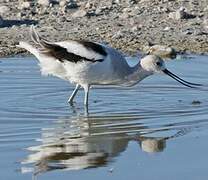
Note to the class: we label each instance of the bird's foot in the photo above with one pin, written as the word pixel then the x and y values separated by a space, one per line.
pixel 70 102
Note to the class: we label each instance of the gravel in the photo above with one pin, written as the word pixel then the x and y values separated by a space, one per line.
pixel 128 25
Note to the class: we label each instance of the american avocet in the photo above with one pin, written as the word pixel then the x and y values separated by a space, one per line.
pixel 87 63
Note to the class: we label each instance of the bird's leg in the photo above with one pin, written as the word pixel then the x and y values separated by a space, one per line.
pixel 86 90
pixel 86 111
pixel 70 100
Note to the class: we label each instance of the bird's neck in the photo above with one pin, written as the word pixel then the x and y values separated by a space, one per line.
pixel 137 74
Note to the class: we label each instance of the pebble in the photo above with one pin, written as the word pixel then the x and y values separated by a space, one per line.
pixel 98 11
pixel 116 1
pixel 196 102
pixel 89 5
pixel 21 14
pixel 24 5
pixel 135 28
pixel 72 5
pixel 79 13
pixel 167 28
pixel 4 9
pixel 131 2
pixel 188 31
pixel 63 3
pixel 45 3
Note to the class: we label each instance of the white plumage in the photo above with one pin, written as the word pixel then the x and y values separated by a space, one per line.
pixel 86 63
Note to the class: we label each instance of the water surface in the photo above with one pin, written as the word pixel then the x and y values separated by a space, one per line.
pixel 154 130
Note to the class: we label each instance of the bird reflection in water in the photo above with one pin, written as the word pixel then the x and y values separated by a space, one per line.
pixel 88 142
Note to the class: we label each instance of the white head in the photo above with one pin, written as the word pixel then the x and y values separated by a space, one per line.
pixel 154 64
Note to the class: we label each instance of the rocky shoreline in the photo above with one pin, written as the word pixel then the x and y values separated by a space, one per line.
pixel 128 25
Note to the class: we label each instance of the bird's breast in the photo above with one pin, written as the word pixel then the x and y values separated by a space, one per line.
pixel 91 73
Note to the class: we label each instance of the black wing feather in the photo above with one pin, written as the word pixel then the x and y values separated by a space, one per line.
pixel 94 47
pixel 62 53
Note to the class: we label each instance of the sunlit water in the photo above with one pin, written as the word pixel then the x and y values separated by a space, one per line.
pixel 155 130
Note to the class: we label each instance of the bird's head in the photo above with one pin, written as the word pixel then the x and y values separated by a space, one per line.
pixel 155 64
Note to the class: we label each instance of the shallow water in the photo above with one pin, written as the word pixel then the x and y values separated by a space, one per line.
pixel 155 130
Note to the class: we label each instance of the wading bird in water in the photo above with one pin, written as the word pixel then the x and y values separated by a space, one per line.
pixel 85 64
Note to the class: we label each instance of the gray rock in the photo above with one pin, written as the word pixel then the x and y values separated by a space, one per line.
pixel 79 13
pixel 45 3
pixel 72 4
pixel 91 12
pixel 25 5
pixel 131 2
pixel 89 5
pixel 167 28
pixel 116 1
pixel 4 9
pixel 68 4
pixel 98 11
pixel 21 14
pixel 63 3
pixel 188 31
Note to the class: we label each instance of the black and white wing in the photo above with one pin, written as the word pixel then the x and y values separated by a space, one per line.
pixel 73 51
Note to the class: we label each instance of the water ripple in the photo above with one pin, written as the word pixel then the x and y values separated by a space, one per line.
pixel 36 117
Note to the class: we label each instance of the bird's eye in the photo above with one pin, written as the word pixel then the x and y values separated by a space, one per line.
pixel 159 63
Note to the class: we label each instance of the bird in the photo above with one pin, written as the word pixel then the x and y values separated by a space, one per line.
pixel 86 64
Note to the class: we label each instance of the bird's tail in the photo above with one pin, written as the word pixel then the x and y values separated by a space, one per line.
pixel 37 39
pixel 28 47
pixel 35 36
